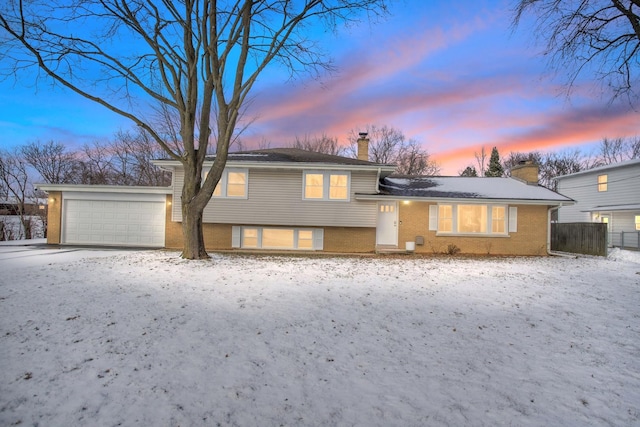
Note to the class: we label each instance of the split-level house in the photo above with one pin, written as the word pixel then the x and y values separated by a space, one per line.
pixel 291 199
pixel 609 194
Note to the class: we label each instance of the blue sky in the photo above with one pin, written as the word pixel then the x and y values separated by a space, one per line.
pixel 452 75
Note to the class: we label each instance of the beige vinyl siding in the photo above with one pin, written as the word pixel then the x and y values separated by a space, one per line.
pixel 275 198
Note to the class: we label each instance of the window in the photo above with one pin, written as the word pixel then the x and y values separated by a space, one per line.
pixel 326 185
pixel 338 187
pixel 445 218
pixel 233 184
pixel 313 186
pixel 498 219
pixel 638 222
pixel 602 182
pixel 249 237
pixel 472 219
pixel 305 239
pixel 277 238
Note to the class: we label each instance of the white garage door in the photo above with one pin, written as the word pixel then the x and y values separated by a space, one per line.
pixel 114 222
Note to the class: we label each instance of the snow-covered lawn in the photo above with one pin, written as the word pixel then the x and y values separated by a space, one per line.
pixel 145 338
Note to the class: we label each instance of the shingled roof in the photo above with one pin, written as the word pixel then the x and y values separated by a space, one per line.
pixel 466 188
pixel 292 155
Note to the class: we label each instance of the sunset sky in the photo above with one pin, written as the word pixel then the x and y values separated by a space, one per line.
pixel 452 75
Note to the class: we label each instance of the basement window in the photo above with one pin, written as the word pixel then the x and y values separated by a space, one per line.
pixel 277 238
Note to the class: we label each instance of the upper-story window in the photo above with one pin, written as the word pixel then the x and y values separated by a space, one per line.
pixel 326 185
pixel 233 184
pixel 602 182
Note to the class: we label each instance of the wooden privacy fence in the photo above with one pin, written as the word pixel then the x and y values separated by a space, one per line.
pixel 579 237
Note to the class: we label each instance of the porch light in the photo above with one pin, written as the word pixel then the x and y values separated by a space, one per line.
pixel 405 202
pixel 51 200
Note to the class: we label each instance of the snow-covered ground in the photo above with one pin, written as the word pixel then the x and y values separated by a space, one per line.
pixel 13 229
pixel 108 338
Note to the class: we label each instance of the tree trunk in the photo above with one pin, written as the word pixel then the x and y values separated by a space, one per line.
pixel 26 226
pixel 192 232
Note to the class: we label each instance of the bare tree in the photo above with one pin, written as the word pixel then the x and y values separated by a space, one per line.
pixel 320 144
pixel 15 180
pixel 96 167
pixel 515 158
pixel 197 59
pixel 590 36
pixel 615 150
pixel 414 160
pixel 132 154
pixel 556 164
pixel 481 160
pixel 52 161
pixel 389 145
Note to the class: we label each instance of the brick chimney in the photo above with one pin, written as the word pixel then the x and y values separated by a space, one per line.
pixel 526 171
pixel 363 146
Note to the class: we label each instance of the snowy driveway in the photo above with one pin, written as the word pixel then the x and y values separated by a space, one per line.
pixel 28 253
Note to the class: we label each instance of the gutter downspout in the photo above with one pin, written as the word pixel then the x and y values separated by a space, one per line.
pixel 549 251
pixel 378 181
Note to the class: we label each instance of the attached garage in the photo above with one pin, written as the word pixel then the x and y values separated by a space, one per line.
pixel 108 215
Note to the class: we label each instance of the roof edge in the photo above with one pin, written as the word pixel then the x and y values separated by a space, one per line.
pixel 88 188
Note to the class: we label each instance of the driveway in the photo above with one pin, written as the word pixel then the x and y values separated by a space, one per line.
pixel 19 254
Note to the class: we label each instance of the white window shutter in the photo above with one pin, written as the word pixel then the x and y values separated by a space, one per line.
pixel 513 219
pixel 318 239
pixel 433 218
pixel 235 236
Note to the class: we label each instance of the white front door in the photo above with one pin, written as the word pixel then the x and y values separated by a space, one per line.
pixel 606 219
pixel 387 231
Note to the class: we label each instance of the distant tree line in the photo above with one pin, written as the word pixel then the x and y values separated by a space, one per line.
pixel 553 164
pixel 123 160
pixel 386 145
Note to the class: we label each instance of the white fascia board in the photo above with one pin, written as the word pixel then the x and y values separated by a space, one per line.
pixel 284 165
pixel 83 188
pixel 467 201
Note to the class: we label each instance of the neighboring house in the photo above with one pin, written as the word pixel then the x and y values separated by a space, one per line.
pixel 608 194
pixel 291 199
pixel 32 206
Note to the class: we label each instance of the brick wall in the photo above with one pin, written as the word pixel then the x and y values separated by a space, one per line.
pixel 218 236
pixel 349 239
pixel 530 239
pixel 54 217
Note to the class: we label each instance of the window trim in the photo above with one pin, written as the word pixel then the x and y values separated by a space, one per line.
pixel 224 184
pixel 507 217
pixel 326 185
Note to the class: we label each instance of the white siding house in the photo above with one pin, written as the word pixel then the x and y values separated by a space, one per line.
pixel 608 194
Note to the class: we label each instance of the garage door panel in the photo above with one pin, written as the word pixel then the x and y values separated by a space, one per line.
pixel 114 222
